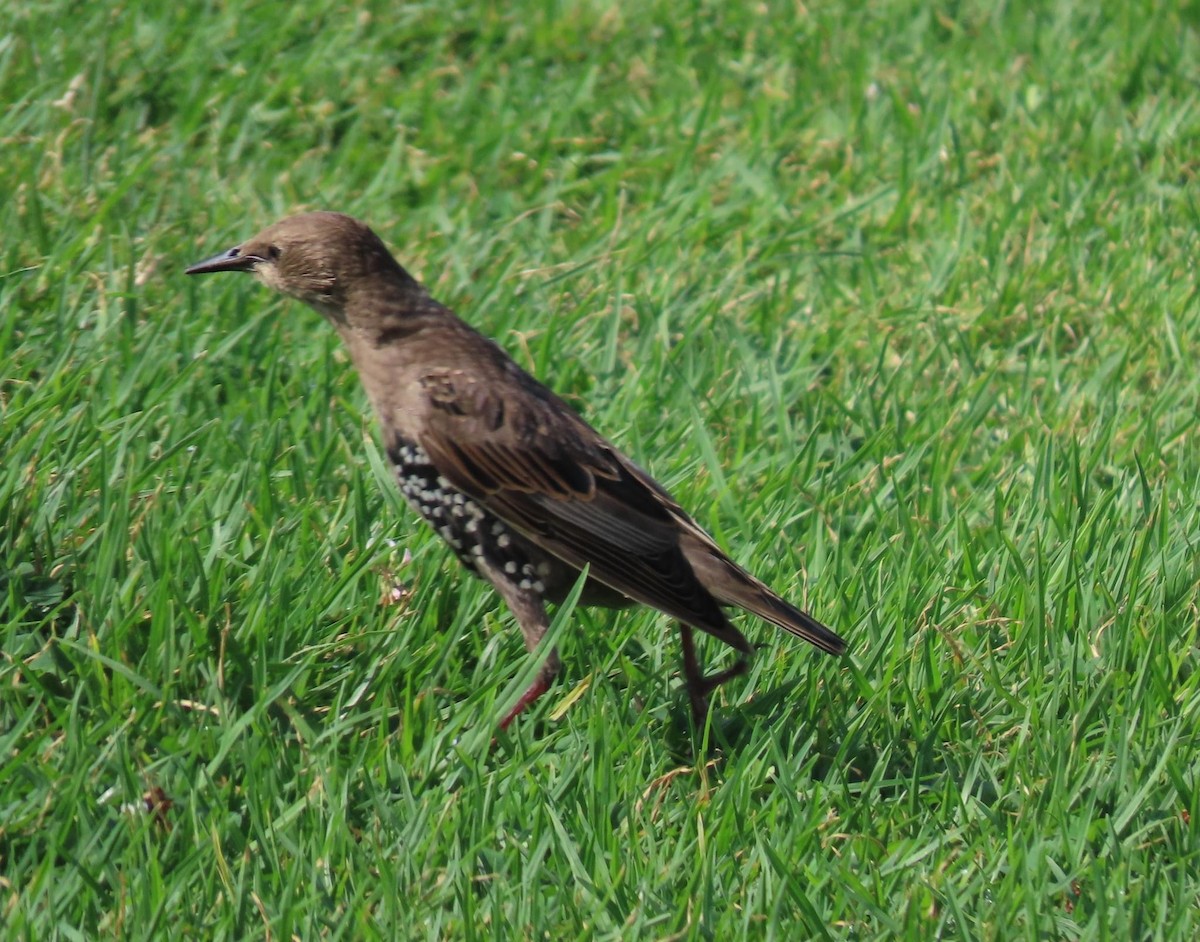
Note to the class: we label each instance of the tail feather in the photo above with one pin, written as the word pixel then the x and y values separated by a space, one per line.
pixel 779 612
pixel 730 584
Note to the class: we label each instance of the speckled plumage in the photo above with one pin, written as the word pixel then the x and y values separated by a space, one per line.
pixel 467 528
pixel 522 490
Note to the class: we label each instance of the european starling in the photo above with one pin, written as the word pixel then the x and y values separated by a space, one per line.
pixel 522 489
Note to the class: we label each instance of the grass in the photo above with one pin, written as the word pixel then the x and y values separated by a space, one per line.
pixel 899 301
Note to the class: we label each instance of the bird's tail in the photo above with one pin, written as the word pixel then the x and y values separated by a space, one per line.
pixel 767 605
pixel 730 584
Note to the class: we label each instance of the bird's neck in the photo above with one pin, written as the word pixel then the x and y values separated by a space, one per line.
pixel 377 303
pixel 380 324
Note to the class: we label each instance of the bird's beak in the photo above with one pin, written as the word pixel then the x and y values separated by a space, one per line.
pixel 232 260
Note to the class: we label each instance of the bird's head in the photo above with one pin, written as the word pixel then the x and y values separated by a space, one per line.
pixel 317 258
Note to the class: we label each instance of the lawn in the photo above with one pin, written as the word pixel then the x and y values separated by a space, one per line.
pixel 898 299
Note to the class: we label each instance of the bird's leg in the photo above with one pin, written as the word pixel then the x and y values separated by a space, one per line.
pixel 698 685
pixel 540 685
pixel 549 670
pixel 530 614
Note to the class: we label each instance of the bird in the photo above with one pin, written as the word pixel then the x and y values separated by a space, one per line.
pixel 525 492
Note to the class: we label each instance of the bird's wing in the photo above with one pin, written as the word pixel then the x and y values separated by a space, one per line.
pixel 535 464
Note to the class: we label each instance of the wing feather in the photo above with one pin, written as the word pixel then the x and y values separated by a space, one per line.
pixel 546 473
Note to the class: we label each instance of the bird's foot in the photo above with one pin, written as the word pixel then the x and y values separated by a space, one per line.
pixel 700 686
pixel 536 689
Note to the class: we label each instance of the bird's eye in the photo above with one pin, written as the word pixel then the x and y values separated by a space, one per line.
pixel 273 252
